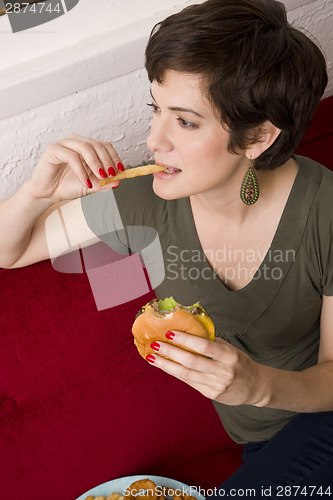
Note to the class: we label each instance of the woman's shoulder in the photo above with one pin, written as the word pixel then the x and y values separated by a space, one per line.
pixel 324 196
pixel 318 236
pixel 322 177
pixel 317 180
pixel 135 198
pixel 133 203
pixel 138 188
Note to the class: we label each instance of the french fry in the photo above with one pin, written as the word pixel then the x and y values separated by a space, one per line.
pixel 133 172
pixel 115 496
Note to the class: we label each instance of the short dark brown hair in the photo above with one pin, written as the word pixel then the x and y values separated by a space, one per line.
pixel 255 66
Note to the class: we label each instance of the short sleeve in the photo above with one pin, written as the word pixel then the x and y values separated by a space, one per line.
pixel 103 218
pixel 319 239
pixel 327 258
pixel 128 220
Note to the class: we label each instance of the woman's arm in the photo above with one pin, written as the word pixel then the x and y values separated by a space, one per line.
pixel 18 216
pixel 43 240
pixel 68 170
pixel 311 389
pixel 231 377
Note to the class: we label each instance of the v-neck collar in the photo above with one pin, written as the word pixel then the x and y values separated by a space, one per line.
pixel 241 307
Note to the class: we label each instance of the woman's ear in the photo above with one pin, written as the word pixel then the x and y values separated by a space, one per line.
pixel 263 137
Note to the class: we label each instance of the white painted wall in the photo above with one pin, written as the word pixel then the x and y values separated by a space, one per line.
pixel 86 21
pixel 84 73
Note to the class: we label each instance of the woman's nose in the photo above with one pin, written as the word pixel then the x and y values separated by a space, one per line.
pixel 159 139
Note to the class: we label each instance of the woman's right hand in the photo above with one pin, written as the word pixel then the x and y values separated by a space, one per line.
pixel 73 167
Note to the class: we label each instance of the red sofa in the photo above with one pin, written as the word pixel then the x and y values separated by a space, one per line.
pixel 79 406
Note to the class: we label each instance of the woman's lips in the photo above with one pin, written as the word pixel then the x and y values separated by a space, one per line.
pixel 168 173
pixel 172 170
pixel 169 169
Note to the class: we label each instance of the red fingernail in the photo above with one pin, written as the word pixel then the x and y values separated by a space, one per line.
pixel 170 335
pixel 150 358
pixel 115 187
pixel 155 345
pixel 89 184
pixel 111 172
pixel 120 167
pixel 102 173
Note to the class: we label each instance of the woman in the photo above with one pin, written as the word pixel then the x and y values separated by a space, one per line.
pixel 245 227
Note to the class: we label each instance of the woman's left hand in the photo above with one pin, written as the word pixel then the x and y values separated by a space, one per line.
pixel 222 373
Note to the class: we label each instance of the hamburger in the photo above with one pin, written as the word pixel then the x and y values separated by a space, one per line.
pixel 156 318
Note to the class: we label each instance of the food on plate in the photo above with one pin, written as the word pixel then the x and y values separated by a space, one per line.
pixel 133 172
pixel 156 318
pixel 148 490
pixel 140 486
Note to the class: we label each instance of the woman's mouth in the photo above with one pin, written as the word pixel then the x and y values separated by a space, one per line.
pixel 172 170
pixel 168 173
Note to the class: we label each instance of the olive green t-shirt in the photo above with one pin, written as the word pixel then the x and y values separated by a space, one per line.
pixel 275 318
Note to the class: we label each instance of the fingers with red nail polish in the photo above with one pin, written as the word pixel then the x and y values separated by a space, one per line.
pixel 150 358
pixel 111 172
pixel 155 345
pixel 102 173
pixel 170 335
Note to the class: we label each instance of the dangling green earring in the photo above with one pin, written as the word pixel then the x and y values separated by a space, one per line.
pixel 249 192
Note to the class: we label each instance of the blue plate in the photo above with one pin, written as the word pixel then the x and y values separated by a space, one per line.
pixel 120 486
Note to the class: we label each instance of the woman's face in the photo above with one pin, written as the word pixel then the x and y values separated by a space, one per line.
pixel 187 136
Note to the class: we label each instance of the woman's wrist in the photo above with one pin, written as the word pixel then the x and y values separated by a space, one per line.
pixel 263 387
pixel 30 196
pixel 298 391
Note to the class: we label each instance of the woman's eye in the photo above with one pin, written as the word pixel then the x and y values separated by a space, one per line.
pixel 185 124
pixel 152 105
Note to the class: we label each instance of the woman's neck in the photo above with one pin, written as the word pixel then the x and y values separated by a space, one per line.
pixel 224 204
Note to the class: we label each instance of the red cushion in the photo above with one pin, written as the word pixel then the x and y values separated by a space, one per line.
pixel 89 408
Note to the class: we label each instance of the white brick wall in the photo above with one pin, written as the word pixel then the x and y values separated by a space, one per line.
pixel 317 19
pixel 113 110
